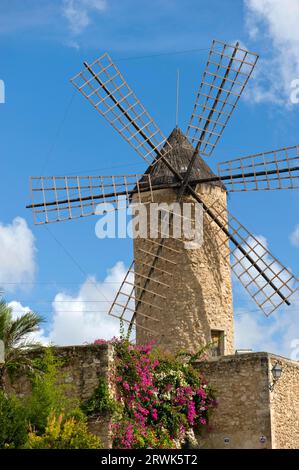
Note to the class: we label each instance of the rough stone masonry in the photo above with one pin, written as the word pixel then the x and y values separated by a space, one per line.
pixel 196 296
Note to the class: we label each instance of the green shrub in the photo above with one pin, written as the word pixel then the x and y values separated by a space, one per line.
pixel 100 402
pixel 63 433
pixel 50 417
pixel 48 394
pixel 13 422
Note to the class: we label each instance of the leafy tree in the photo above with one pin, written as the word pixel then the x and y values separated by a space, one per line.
pixel 15 334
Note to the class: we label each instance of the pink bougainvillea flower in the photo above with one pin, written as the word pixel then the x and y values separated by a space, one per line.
pixel 149 404
pixel 191 413
pixel 100 341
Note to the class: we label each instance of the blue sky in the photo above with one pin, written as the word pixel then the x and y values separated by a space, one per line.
pixel 47 128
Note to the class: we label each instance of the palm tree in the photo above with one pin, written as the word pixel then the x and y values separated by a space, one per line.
pixel 15 335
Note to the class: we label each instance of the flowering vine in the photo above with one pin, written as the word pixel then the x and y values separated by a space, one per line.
pixel 162 399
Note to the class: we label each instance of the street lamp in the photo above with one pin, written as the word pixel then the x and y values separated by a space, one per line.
pixel 276 374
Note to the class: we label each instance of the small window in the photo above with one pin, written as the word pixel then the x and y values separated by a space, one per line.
pixel 217 338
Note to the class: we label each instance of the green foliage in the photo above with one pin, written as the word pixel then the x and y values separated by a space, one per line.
pixel 100 402
pixel 49 417
pixel 14 334
pixel 187 357
pixel 63 433
pixel 125 335
pixel 48 394
pixel 13 422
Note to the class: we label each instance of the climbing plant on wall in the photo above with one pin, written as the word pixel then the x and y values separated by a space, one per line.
pixel 162 400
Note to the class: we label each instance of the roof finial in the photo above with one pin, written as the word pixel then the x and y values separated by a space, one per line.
pixel 177 98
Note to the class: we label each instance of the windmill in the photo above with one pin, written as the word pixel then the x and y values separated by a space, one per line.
pixel 182 297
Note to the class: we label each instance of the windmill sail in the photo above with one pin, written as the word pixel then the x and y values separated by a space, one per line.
pixel 267 281
pixel 277 169
pixel 106 89
pixel 226 74
pixel 124 304
pixel 57 198
pixel 143 292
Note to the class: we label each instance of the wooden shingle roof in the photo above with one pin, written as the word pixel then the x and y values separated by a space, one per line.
pixel 179 157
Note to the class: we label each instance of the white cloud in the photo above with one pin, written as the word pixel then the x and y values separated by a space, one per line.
pixel 275 23
pixel 84 317
pixel 251 332
pixel 78 13
pixel 279 333
pixel 294 237
pixel 17 254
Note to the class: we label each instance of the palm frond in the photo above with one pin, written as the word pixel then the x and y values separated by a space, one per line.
pixel 16 335
pixel 21 327
pixel 5 318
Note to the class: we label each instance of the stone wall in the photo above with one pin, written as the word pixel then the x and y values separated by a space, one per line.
pixel 285 405
pixel 196 296
pixel 249 415
pixel 243 413
pixel 82 368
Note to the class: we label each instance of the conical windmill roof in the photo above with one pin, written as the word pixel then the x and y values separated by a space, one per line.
pixel 179 157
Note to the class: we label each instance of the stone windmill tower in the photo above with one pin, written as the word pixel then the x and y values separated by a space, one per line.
pixel 176 293
pixel 196 292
